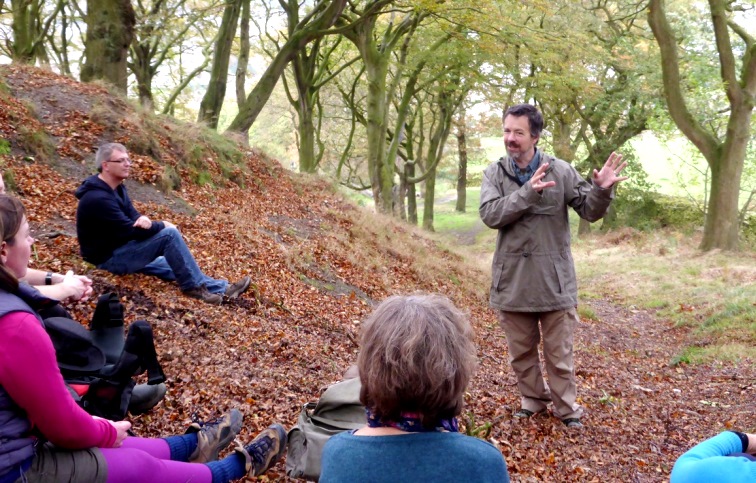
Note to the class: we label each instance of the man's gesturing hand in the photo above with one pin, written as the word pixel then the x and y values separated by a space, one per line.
pixel 536 182
pixel 609 173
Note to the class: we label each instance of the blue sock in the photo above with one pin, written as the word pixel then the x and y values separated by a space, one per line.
pixel 182 446
pixel 232 467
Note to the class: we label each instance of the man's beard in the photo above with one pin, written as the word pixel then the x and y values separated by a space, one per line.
pixel 516 155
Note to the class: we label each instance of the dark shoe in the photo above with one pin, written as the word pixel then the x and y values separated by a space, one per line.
pixel 572 423
pixel 264 451
pixel 145 396
pixel 523 413
pixel 201 293
pixel 238 288
pixel 215 435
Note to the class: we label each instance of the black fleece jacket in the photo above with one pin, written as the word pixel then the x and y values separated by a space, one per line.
pixel 105 220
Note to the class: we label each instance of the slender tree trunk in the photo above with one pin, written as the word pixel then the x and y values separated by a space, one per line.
pixel 429 198
pixel 243 62
pixel 411 196
pixel 140 67
pixel 306 131
pixel 327 14
pixel 110 31
pixel 212 102
pixel 462 163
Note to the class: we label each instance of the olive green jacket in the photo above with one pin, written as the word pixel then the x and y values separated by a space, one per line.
pixel 532 269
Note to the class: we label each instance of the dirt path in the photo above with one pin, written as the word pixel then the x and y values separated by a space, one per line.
pixel 641 412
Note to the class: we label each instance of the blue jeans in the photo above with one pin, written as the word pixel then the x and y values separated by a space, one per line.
pixel 166 256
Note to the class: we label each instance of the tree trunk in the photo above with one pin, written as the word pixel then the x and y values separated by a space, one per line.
pixel 306 131
pixel 29 31
pixel 724 158
pixel 721 225
pixel 140 67
pixel 411 196
pixel 429 198
pixel 327 13
pixel 243 62
pixel 23 31
pixel 462 163
pixel 212 102
pixel 381 176
pixel 110 31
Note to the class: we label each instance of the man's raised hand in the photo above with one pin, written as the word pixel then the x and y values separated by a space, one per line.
pixel 609 174
pixel 536 180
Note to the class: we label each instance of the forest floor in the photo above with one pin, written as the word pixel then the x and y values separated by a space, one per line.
pixel 319 264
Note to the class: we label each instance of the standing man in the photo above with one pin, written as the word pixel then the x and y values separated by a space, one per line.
pixel 115 237
pixel 525 196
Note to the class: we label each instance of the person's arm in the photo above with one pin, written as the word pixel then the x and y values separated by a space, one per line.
pixel 118 219
pixel 709 461
pixel 498 209
pixel 75 287
pixel 30 375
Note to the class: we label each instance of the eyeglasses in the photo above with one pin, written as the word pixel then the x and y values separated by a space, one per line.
pixel 119 161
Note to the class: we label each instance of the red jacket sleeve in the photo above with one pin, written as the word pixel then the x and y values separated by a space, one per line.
pixel 30 375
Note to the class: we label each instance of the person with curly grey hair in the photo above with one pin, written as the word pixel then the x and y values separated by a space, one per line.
pixel 416 359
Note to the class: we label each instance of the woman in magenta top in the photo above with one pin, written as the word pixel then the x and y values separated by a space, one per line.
pixel 45 436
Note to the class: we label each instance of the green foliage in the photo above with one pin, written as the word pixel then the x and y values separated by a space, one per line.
pixel 9 178
pixel 646 210
pixel 587 313
pixel 482 431
pixel 36 142
pixel 170 180
pixel 689 355
pixel 4 146
pixel 608 399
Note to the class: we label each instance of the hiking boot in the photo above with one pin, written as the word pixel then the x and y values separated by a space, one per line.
pixel 201 293
pixel 238 288
pixel 264 451
pixel 523 413
pixel 572 423
pixel 214 435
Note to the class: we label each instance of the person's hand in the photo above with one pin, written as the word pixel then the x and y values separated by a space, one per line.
pixel 168 224
pixel 609 174
pixel 87 283
pixel 122 431
pixel 536 180
pixel 78 286
pixel 143 222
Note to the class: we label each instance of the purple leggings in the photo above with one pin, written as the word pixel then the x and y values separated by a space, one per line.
pixel 148 460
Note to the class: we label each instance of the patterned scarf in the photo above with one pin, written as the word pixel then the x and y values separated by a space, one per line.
pixel 410 423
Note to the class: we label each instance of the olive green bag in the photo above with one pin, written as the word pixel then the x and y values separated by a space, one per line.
pixel 339 409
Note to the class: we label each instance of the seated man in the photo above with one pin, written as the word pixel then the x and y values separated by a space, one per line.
pixel 115 237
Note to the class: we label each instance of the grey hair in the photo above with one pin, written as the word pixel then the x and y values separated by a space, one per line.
pixel 417 355
pixel 104 153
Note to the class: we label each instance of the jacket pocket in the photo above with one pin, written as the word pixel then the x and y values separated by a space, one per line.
pixel 565 273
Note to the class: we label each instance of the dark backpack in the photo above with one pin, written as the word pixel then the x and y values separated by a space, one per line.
pixel 99 364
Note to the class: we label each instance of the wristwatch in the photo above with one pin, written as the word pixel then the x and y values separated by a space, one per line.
pixel 48 278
